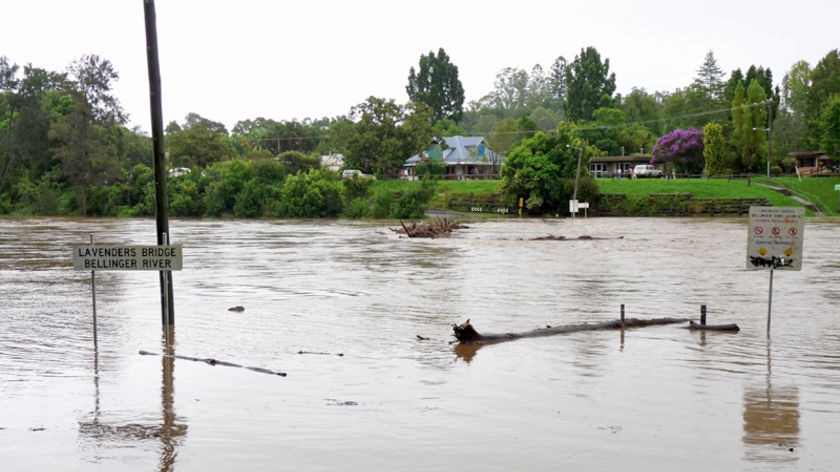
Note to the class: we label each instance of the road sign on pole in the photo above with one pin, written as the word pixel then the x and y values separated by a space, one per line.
pixel 96 258
pixel 775 237
pixel 774 241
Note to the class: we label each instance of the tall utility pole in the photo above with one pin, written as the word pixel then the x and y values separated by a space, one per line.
pixel 577 177
pixel 769 104
pixel 161 198
pixel 769 127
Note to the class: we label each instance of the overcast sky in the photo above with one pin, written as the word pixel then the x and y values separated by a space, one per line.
pixel 285 60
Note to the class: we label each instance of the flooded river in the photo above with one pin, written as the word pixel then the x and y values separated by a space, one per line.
pixel 338 306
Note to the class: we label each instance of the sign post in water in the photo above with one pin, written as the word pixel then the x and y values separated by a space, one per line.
pixel 127 258
pixel 164 259
pixel 774 241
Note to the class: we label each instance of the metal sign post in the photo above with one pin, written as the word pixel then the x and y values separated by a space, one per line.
pixel 837 189
pixel 166 278
pixel 774 241
pixel 93 292
pixel 163 259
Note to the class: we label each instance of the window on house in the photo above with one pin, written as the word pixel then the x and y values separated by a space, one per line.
pixel 597 168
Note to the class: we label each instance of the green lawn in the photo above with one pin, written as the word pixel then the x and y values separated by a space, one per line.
pixel 818 190
pixel 698 188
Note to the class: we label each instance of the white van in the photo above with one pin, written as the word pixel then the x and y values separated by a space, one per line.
pixel 355 174
pixel 646 170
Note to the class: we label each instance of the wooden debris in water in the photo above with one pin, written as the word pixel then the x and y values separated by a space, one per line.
pixel 214 362
pixel 429 229
pixel 465 333
pixel 583 237
pixel 731 327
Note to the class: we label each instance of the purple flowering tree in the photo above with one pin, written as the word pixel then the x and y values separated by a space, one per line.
pixel 683 149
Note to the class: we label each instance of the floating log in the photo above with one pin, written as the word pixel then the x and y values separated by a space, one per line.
pixel 721 327
pixel 428 229
pixel 583 237
pixel 549 237
pixel 321 353
pixel 465 333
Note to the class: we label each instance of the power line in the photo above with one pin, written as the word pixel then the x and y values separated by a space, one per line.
pixel 671 118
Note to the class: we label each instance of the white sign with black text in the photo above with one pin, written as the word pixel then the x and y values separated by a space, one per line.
pixel 127 258
pixel 775 238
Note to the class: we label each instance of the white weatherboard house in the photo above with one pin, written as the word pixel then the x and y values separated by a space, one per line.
pixel 332 161
pixel 465 158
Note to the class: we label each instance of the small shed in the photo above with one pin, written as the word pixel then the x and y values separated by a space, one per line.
pixel 812 162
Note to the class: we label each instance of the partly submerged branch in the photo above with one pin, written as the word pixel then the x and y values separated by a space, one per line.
pixel 214 362
pixel 429 229
pixel 731 327
pixel 465 333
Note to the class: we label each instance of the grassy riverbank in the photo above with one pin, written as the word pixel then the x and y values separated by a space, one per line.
pixel 780 191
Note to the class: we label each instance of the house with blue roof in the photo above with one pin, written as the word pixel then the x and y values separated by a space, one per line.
pixel 465 157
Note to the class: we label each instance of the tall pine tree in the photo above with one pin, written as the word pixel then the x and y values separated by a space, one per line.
pixel 710 77
pixel 437 85
pixel 589 85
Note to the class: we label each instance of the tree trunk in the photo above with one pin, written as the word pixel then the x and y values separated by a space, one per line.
pixel 466 334
pixel 721 327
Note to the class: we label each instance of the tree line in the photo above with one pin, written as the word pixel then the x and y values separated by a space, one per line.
pixel 65 148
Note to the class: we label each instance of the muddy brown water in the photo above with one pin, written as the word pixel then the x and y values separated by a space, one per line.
pixel 367 394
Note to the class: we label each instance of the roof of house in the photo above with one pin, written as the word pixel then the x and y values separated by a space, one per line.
pixel 631 158
pixel 819 154
pixel 462 150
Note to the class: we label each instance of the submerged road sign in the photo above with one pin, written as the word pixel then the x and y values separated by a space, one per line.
pixel 127 257
pixel 775 238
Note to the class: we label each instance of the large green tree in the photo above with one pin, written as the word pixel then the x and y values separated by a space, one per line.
pixel 539 90
pixel 545 118
pixel 511 93
pixel 825 82
pixel 8 115
pixel 84 135
pixel 749 120
pixel 26 105
pixel 379 135
pixel 541 171
pixel 198 146
pixel 277 137
pixel 789 125
pixel 795 86
pixel 504 135
pixel 590 85
pixel 643 108
pixel 436 84
pixel 830 128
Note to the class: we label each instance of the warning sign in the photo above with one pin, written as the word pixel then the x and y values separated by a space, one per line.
pixel 775 238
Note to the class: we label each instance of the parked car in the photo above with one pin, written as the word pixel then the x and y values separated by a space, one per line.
pixel 355 174
pixel 646 170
